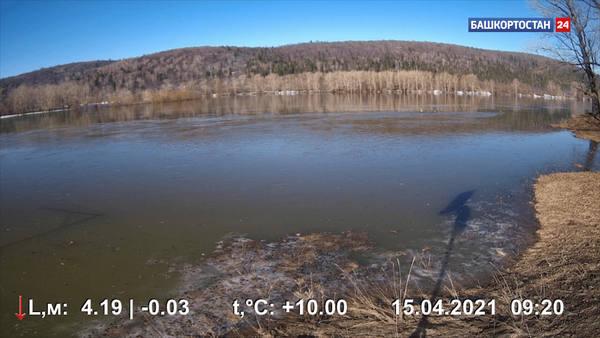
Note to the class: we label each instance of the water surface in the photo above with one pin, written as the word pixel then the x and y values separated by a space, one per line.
pixel 100 203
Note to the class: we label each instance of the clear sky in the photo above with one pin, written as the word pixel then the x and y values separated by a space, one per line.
pixel 36 34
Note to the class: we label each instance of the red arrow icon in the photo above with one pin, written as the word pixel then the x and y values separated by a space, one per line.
pixel 20 315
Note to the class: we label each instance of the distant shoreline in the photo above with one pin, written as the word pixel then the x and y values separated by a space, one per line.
pixel 190 96
pixel 351 66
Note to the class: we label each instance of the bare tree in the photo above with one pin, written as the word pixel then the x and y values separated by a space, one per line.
pixel 581 46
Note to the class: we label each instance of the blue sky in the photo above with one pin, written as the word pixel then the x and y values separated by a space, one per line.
pixel 36 34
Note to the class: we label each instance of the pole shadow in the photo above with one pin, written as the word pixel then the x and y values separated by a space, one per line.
pixel 456 207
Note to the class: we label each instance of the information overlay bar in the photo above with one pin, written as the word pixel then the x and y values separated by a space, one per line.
pixel 510 25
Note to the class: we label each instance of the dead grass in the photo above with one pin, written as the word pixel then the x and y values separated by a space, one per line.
pixel 583 126
pixel 565 262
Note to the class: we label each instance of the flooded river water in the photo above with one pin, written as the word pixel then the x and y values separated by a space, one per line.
pixel 101 203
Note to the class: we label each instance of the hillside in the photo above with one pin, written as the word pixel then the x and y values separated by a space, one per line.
pixel 200 67
pixel 52 75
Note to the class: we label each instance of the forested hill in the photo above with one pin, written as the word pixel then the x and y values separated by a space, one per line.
pixel 179 66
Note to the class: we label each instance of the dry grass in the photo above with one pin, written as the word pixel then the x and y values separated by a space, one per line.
pixel 565 262
pixel 583 126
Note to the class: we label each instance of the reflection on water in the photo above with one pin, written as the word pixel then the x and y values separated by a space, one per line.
pixel 516 115
pixel 102 203
pixel 591 155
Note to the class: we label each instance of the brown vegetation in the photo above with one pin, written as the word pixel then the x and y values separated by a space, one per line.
pixel 583 126
pixel 565 262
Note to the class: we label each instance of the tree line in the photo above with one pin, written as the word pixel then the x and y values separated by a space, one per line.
pixel 72 94
pixel 352 66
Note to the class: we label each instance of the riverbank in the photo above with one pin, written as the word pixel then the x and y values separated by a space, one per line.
pixel 583 126
pixel 563 264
